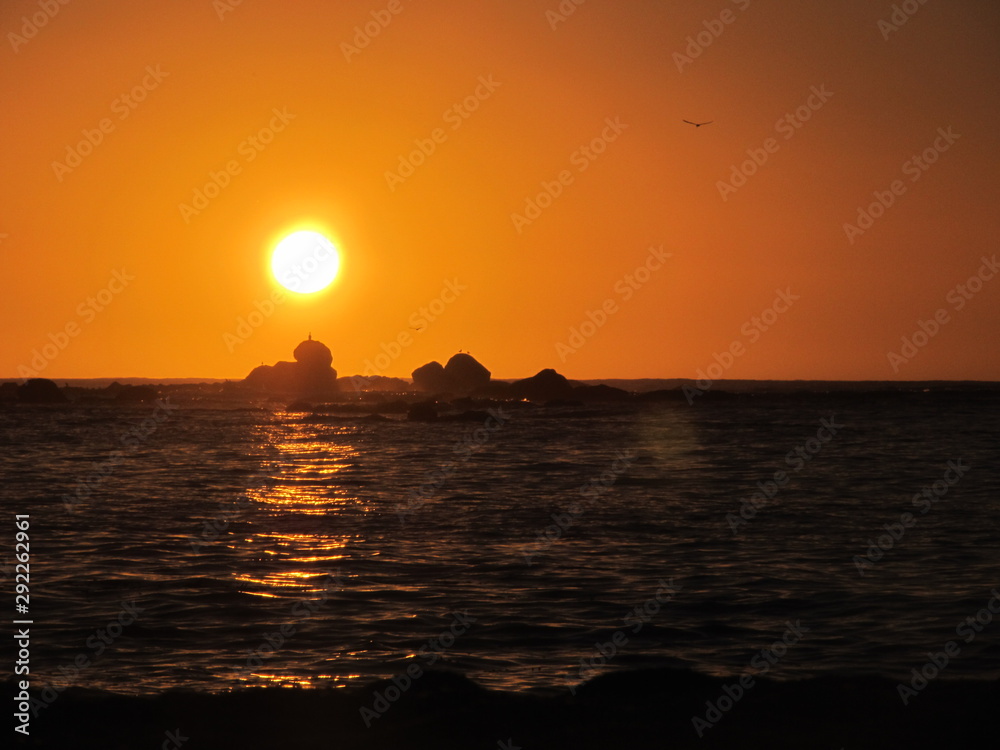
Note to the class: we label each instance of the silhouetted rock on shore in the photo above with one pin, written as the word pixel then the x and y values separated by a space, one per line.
pixel 466 374
pixel 462 374
pixel 430 378
pixel 311 374
pixel 547 385
pixel 313 355
pixel 40 391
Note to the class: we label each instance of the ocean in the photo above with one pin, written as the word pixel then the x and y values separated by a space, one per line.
pixel 212 545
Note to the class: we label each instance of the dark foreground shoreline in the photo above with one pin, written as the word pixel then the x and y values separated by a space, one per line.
pixel 633 710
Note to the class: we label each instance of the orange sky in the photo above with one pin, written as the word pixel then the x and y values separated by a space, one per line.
pixel 538 95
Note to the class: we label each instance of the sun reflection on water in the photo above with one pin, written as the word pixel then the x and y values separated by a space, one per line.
pixel 298 534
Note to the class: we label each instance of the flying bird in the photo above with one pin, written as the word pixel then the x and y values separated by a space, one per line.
pixel 699 124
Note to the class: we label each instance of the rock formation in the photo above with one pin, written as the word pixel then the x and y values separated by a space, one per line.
pixel 465 374
pixel 430 378
pixel 545 386
pixel 311 374
pixel 462 374
pixel 40 391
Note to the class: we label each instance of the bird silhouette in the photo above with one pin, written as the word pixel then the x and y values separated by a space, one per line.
pixel 699 124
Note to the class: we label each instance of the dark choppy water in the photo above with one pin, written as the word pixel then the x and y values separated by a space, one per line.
pixel 297 500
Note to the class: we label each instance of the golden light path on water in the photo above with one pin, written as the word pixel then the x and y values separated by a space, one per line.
pixel 293 547
pixel 309 507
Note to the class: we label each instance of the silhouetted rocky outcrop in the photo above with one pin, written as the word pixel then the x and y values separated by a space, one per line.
pixel 40 391
pixel 462 374
pixel 313 355
pixel 547 385
pixel 311 374
pixel 430 378
pixel 465 374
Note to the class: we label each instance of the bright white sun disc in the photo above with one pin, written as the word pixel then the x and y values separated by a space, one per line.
pixel 305 262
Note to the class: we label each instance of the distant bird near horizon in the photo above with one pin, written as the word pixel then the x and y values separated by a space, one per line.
pixel 699 124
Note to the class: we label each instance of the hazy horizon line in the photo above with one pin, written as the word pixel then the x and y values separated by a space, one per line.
pixel 211 380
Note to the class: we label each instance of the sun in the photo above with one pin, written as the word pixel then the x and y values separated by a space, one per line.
pixel 305 262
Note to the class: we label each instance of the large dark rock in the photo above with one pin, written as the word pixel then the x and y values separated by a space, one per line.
pixel 40 391
pixel 547 385
pixel 462 374
pixel 465 374
pixel 430 377
pixel 313 355
pixel 311 374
